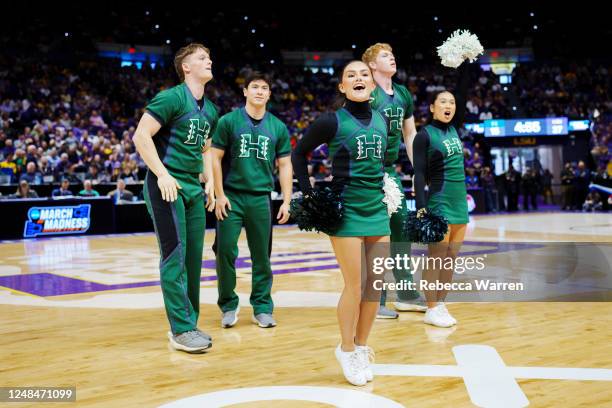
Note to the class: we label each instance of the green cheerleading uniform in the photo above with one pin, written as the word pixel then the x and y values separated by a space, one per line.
pixel 251 149
pixel 396 108
pixel 180 225
pixel 364 212
pixel 357 141
pixel 438 162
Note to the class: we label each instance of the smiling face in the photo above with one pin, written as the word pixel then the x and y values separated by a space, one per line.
pixel 198 65
pixel 443 108
pixel 257 93
pixel 357 82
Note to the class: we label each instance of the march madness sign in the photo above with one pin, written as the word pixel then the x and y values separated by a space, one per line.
pixel 57 220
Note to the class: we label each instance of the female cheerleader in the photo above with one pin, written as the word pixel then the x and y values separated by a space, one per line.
pixel 357 141
pixel 438 163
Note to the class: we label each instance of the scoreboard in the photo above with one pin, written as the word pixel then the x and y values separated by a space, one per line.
pixel 525 127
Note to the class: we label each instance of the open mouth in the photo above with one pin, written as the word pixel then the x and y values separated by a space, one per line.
pixel 359 87
pixel 447 114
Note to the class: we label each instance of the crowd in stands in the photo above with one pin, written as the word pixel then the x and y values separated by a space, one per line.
pixel 61 124
pixel 574 90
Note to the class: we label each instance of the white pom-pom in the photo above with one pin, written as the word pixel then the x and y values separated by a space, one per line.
pixel 393 195
pixel 461 45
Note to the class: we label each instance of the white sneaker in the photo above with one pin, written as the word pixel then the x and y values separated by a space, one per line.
pixel 417 305
pixel 445 310
pixel 367 356
pixel 352 366
pixel 436 317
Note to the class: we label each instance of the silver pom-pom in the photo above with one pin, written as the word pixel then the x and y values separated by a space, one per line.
pixel 393 195
pixel 461 45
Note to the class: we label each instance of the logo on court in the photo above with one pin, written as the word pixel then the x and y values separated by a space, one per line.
pixel 197 135
pixel 260 146
pixel 396 115
pixel 453 146
pixel 366 145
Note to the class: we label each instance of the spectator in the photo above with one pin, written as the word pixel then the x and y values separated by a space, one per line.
pixel 96 121
pixel 24 191
pixel 128 174
pixel 592 202
pixel 530 189
pixel 582 180
pixel 88 190
pixel 512 182
pixel 63 190
pixel 62 166
pixel 46 170
pixel 94 175
pixel 398 171
pixel 8 166
pixel 547 193
pixel 471 180
pixel 488 186
pixel 31 175
pixel 567 187
pixel 121 194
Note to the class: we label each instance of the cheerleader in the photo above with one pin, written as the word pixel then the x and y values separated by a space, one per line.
pixel 357 141
pixel 395 102
pixel 438 164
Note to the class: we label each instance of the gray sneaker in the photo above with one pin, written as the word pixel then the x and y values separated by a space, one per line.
pixel 205 335
pixel 264 320
pixel 416 305
pixel 191 342
pixel 230 318
pixel 384 313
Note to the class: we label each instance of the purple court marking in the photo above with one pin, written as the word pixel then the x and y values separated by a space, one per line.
pixel 47 284
pixel 245 261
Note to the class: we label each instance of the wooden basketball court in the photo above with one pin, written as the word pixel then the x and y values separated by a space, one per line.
pixel 87 312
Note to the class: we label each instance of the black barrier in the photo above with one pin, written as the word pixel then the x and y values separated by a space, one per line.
pixel 98 215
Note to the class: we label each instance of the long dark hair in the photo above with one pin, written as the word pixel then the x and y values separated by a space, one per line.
pixel 340 98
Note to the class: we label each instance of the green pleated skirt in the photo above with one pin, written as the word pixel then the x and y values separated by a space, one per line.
pixel 365 214
pixel 450 202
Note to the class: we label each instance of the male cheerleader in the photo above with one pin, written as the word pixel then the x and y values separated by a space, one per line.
pixel 246 145
pixel 173 139
pixel 395 102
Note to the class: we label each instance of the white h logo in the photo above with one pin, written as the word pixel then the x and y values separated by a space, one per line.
pixel 453 146
pixel 396 117
pixel 197 133
pixel 260 147
pixel 364 146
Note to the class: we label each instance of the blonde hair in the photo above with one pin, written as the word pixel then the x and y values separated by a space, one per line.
pixel 372 52
pixel 185 52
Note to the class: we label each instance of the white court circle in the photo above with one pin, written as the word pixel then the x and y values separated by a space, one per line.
pixel 338 397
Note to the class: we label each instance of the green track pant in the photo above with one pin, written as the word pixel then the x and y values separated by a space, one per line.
pixel 180 228
pixel 399 246
pixel 254 212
